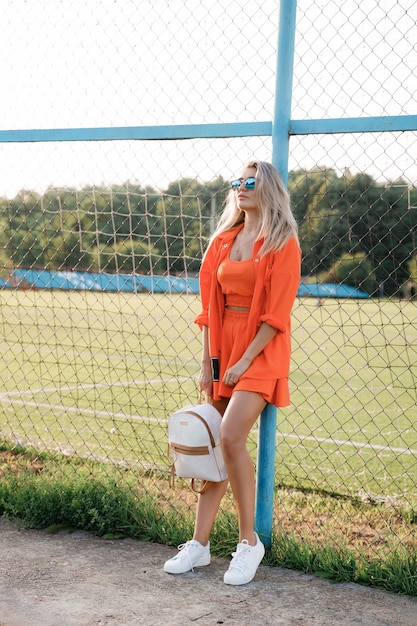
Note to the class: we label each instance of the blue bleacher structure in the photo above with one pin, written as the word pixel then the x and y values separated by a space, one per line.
pixel 139 283
pixel 330 290
pixel 102 281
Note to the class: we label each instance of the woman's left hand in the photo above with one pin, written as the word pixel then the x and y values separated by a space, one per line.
pixel 232 375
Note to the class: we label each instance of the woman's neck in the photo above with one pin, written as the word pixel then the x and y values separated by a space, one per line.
pixel 251 226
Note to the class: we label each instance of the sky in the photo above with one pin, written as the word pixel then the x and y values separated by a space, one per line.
pixel 95 63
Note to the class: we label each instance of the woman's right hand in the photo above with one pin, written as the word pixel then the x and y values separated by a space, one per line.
pixel 206 380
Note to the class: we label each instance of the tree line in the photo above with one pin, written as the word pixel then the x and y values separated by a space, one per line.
pixel 353 229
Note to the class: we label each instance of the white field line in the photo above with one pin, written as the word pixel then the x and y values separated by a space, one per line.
pixel 10 398
pixel 126 462
pixel 105 356
pixel 121 383
pixel 354 444
pixel 73 409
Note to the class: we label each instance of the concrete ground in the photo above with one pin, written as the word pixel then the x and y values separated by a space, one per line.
pixel 77 579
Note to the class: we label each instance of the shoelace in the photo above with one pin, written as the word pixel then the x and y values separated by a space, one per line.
pixel 239 557
pixel 185 549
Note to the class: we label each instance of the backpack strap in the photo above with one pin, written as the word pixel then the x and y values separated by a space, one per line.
pixel 205 484
pixel 203 421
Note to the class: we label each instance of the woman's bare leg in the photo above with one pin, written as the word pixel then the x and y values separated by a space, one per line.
pixel 207 507
pixel 209 501
pixel 240 415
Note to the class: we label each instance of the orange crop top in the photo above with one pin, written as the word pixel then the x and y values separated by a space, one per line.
pixel 237 281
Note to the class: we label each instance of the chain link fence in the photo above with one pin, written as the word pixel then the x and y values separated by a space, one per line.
pixel 101 243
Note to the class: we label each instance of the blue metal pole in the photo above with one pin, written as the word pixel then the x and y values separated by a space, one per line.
pixel 265 478
pixel 283 93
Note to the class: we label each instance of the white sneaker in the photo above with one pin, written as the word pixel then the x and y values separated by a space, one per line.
pixel 191 554
pixel 244 563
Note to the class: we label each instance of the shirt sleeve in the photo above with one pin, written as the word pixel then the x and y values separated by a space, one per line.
pixel 205 277
pixel 281 284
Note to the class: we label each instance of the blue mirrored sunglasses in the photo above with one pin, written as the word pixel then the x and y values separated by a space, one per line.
pixel 249 183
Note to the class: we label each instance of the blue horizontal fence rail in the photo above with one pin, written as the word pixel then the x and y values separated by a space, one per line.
pixel 280 130
pixel 142 133
pixel 389 123
pixel 395 123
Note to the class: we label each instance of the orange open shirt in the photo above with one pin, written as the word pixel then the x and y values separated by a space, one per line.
pixel 277 277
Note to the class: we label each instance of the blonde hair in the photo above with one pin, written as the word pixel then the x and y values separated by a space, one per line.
pixel 278 224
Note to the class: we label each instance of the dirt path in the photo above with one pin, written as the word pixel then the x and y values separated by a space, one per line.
pixel 76 579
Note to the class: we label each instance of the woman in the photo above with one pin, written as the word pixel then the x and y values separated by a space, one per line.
pixel 248 282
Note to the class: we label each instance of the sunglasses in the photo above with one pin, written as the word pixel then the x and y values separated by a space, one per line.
pixel 249 183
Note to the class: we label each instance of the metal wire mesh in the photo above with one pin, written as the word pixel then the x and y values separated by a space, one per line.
pixel 95 357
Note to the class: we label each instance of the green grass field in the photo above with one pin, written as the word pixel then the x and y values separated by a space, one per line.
pixel 97 374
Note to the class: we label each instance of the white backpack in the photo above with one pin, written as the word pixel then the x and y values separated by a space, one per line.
pixel 193 443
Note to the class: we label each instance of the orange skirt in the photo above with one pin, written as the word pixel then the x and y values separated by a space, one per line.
pixel 255 378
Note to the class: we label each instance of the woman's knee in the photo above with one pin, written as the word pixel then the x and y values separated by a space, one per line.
pixel 231 442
